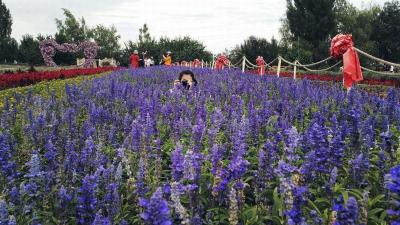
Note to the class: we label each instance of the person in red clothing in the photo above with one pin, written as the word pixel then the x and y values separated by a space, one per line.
pixel 135 59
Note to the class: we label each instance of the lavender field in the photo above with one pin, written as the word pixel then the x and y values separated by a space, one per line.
pixel 237 149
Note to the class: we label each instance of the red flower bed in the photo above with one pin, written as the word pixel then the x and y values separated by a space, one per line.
pixel 329 77
pixel 28 78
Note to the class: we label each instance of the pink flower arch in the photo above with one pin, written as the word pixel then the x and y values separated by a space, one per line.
pixel 49 47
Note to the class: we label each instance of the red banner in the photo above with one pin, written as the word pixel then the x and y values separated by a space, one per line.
pixel 342 46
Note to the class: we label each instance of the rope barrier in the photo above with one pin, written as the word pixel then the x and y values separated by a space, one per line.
pixel 269 64
pixel 316 63
pixel 375 58
pixel 381 73
pixel 321 70
pixel 288 62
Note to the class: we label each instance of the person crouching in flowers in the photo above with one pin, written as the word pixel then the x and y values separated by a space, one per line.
pixel 186 80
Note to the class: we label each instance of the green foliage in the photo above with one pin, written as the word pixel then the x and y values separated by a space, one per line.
pixel 71 30
pixel 182 48
pixel 108 40
pixel 359 23
pixel 254 47
pixel 5 21
pixel 29 51
pixel 311 22
pixel 8 45
pixel 8 50
pixel 387 31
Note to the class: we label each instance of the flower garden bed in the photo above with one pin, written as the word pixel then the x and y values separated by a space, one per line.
pixel 29 78
pixel 125 149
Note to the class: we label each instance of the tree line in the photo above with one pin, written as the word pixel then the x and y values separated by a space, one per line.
pixel 307 29
pixel 306 32
pixel 73 30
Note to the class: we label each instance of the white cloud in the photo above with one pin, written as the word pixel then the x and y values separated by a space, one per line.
pixel 219 24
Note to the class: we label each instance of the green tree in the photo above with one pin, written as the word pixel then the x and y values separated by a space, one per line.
pixel 8 50
pixel 359 23
pixel 71 30
pixel 29 51
pixel 386 31
pixel 5 21
pixel 107 39
pixel 254 47
pixel 184 48
pixel 144 35
pixel 8 45
pixel 313 23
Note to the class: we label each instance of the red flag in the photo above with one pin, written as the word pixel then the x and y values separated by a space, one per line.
pixel 351 68
pixel 342 46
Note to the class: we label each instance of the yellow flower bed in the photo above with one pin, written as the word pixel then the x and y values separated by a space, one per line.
pixel 43 88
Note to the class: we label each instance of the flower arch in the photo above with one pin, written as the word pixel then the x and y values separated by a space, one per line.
pixel 49 47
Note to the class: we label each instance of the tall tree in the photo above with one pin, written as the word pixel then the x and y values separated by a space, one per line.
pixel 8 50
pixel 5 21
pixel 359 23
pixel 313 22
pixel 29 51
pixel 107 39
pixel 254 47
pixel 144 35
pixel 71 30
pixel 8 45
pixel 183 48
pixel 387 31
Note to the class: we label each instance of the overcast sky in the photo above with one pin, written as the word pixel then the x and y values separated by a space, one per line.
pixel 219 24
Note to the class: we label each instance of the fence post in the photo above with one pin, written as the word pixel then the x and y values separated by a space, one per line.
pixel 243 64
pixel 279 66
pixel 295 70
pixel 202 64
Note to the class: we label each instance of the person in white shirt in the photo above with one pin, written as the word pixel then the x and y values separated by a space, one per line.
pixel 392 69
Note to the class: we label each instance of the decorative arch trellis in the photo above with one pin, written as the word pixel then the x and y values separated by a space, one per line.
pixel 49 47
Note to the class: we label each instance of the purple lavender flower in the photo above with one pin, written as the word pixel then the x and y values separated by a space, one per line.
pixel 315 217
pixel 295 214
pixel 101 220
pixel 292 140
pixel 7 165
pixel 87 201
pixel 332 179
pixel 177 166
pixel 360 167
pixel 197 135
pixel 393 185
pixel 63 197
pixel 238 167
pixel 140 179
pixel 156 211
pixel 217 153
pixel 3 212
pixel 12 221
pixel 112 200
pixel 192 166
pixel 346 214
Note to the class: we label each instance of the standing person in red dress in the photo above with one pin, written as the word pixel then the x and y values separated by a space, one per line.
pixel 135 59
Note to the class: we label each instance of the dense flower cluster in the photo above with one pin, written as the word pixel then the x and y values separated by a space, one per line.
pixel 48 48
pixel 126 148
pixel 23 79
